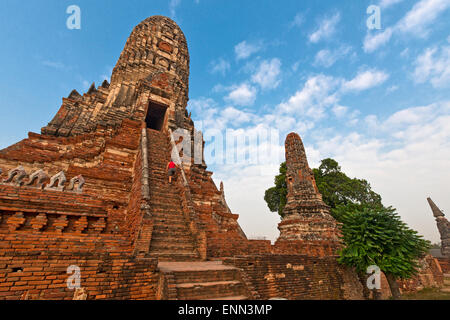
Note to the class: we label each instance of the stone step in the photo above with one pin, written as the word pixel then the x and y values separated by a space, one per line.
pixel 163 195
pixel 174 233
pixel 206 276
pixel 447 281
pixel 446 290
pixel 170 228
pixel 170 244
pixel 209 290
pixel 166 218
pixel 166 251
pixel 171 256
pixel 158 206
pixel 178 239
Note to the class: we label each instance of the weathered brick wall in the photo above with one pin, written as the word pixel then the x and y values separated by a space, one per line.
pixel 313 248
pixel 298 277
pixel 105 276
pixel 445 264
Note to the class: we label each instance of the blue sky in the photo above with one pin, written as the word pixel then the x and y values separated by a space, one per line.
pixel 378 101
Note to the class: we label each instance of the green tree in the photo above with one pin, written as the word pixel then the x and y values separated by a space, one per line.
pixel 276 196
pixel 338 189
pixel 377 236
pixel 334 185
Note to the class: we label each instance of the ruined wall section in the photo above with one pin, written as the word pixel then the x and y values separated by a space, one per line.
pixel 224 235
pixel 299 277
pixel 100 165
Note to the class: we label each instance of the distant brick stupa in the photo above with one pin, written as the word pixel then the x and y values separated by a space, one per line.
pixel 444 228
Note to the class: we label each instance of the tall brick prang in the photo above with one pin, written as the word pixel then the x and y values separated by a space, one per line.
pixel 306 217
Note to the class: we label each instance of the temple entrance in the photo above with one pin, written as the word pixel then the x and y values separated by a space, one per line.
pixel 155 116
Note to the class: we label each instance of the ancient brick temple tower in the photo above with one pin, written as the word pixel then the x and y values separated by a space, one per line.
pixel 91 191
pixel 444 228
pixel 307 218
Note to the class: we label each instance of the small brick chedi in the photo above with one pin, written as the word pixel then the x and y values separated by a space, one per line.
pixel 307 220
pixel 89 198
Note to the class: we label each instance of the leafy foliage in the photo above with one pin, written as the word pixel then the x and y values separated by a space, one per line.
pixel 276 196
pixel 334 185
pixel 377 236
pixel 338 189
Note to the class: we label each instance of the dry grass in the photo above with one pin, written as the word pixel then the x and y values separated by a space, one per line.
pixel 428 294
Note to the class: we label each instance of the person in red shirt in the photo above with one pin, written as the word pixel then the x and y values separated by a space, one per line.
pixel 172 168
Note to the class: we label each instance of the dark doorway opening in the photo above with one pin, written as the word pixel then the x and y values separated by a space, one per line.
pixel 155 116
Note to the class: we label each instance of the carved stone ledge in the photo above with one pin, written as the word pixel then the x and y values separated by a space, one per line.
pixel 77 181
pixel 60 178
pixel 37 179
pixel 16 176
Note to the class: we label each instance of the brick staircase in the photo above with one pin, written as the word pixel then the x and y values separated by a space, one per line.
pixel 446 287
pixel 171 238
pixel 183 275
pixel 203 281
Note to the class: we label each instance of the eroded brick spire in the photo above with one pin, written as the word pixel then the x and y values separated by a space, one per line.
pixel 299 176
pixel 306 216
pixel 443 226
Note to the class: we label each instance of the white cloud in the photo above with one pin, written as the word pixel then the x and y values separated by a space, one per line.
pixel 267 75
pixel 244 49
pixel 340 111
pixel 405 53
pixel 388 3
pixel 173 4
pixel 327 27
pixel 317 94
pixel 406 163
pixel 421 16
pixel 434 66
pixel 365 80
pixel 54 64
pixel 236 116
pixel 327 58
pixel 373 41
pixel 299 19
pixel 392 89
pixel 242 95
pixel 416 21
pixel 220 66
